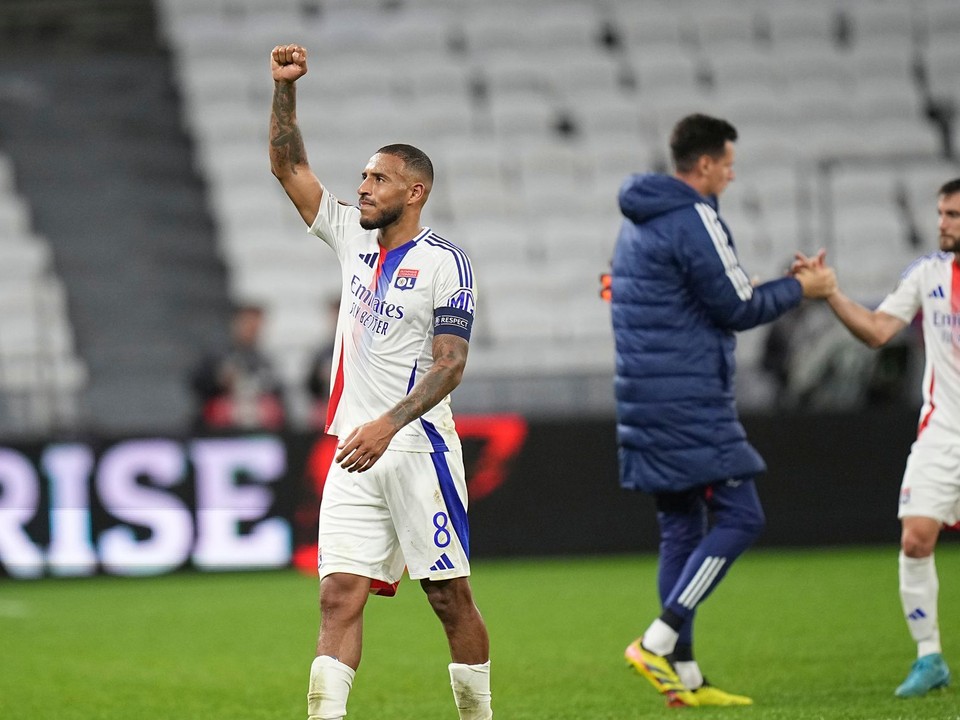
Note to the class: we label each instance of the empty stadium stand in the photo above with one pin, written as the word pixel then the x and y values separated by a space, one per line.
pixel 160 209
pixel 88 116
pixel 534 113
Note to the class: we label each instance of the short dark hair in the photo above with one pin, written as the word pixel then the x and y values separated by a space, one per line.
pixel 698 135
pixel 950 187
pixel 414 159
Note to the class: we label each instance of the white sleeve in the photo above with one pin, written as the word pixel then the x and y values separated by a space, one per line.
pixel 335 221
pixel 454 285
pixel 905 301
pixel 454 301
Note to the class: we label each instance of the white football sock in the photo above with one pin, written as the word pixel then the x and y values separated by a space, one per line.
pixel 330 683
pixel 471 690
pixel 919 588
pixel 660 638
pixel 689 673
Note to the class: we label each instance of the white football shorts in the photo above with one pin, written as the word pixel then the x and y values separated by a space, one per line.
pixel 931 483
pixel 409 509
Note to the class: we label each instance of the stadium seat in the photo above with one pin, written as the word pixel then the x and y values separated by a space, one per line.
pixel 718 28
pixel 450 79
pixel 492 241
pixel 6 174
pixel 750 106
pixel 744 70
pixel 474 202
pixel 941 62
pixel 888 22
pixel 922 181
pixel 939 22
pixel 36 336
pixel 665 71
pixel 618 155
pixel 24 257
pixel 647 26
pixel 871 249
pixel 892 99
pixel 858 186
pixel 811 24
pixel 533 123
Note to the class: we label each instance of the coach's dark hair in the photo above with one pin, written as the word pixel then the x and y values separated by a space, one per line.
pixel 697 135
pixel 414 159
pixel 950 187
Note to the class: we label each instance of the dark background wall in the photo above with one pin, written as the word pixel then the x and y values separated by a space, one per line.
pixel 537 489
pixel 831 479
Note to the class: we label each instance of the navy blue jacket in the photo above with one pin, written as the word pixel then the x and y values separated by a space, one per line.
pixel 678 296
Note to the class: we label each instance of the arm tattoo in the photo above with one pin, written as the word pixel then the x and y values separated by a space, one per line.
pixel 286 142
pixel 450 356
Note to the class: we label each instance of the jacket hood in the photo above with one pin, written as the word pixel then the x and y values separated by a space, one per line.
pixel 643 197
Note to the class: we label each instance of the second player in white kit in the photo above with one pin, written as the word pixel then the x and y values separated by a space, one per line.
pixel 930 490
pixel 931 482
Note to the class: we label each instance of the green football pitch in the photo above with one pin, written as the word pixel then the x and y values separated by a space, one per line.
pixel 808 634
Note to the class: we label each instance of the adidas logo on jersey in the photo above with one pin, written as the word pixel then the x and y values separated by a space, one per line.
pixel 444 563
pixel 937 292
pixel 369 259
pixel 917 614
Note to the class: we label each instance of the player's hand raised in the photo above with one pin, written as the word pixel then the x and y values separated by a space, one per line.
pixel 288 63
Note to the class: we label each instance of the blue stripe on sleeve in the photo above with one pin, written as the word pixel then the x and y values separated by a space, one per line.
pixel 464 268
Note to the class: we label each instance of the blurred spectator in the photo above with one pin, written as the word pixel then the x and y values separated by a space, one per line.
pixel 238 387
pixel 818 366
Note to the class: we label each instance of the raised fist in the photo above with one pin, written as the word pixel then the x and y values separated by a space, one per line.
pixel 288 63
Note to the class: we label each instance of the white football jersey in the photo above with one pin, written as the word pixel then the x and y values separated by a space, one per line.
pixel 932 284
pixel 392 304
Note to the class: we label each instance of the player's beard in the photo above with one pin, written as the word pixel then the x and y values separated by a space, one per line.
pixel 950 243
pixel 384 218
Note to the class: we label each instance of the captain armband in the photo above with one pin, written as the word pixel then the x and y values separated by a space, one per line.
pixel 452 321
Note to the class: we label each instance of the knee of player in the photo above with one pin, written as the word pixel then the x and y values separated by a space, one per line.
pixel 917 546
pixel 756 525
pixel 749 521
pixel 343 596
pixel 919 536
pixel 448 598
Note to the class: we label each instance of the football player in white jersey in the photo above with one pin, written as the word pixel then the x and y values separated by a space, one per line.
pixel 930 491
pixel 396 494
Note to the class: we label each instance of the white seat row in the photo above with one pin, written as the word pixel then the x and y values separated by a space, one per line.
pixel 40 371
pixel 484 87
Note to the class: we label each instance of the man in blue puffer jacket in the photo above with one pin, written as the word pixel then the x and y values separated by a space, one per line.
pixel 678 295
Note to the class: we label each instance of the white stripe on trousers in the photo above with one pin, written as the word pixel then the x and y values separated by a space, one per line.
pixel 696 588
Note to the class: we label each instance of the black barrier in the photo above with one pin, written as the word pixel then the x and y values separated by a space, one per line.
pixel 136 506
pixel 146 506
pixel 831 480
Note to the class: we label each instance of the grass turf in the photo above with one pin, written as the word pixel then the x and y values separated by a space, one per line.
pixel 808 634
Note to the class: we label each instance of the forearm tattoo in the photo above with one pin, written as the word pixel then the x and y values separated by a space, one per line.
pixel 286 142
pixel 438 382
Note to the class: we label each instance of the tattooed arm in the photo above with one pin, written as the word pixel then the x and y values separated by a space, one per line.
pixel 360 449
pixel 288 157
